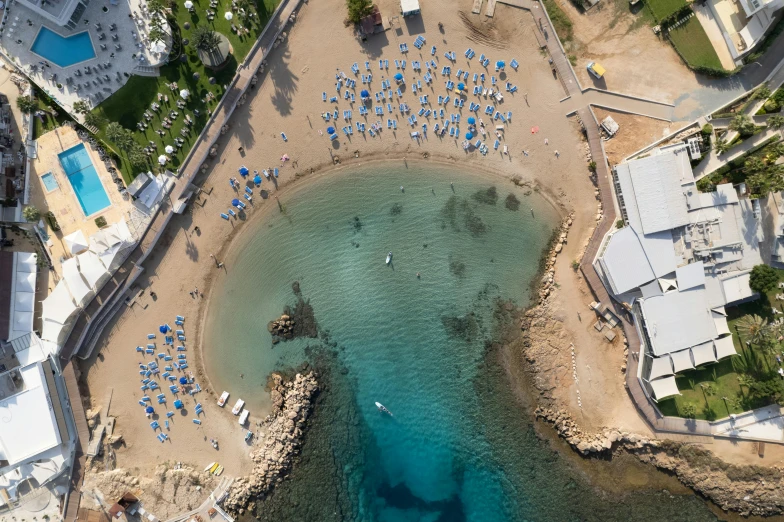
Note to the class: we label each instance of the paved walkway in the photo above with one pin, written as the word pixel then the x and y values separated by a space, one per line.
pixel 619 102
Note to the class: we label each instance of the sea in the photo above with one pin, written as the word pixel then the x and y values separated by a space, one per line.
pixel 424 335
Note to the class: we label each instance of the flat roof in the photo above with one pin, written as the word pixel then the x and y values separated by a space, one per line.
pixel 690 276
pixel 29 423
pixel 625 262
pixel 409 5
pixel 678 320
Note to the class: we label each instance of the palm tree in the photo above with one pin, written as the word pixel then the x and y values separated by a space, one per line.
pixel 93 119
pixel 205 39
pixel 742 124
pixel 81 107
pixel 753 327
pixel 721 145
pixel 136 156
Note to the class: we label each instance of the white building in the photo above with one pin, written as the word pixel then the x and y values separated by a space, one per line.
pixel 744 23
pixel 65 13
pixel 681 257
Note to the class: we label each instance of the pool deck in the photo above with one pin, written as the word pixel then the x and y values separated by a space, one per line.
pixel 62 201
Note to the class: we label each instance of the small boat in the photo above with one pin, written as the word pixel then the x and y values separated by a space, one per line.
pixel 383 409
pixel 208 468
pixel 222 400
pixel 248 435
pixel 389 258
pixel 244 417
pixel 218 471
pixel 238 407
pixel 214 467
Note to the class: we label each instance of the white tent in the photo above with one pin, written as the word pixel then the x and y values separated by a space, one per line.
pixel 660 366
pixel 703 353
pixel 76 242
pixel 108 255
pixel 23 321
pixel 724 347
pixel 26 262
pixel 25 282
pixel 73 278
pixel 24 302
pixel 118 232
pixel 99 242
pixel 91 268
pixel 664 387
pixel 50 330
pixel 681 361
pixel 59 306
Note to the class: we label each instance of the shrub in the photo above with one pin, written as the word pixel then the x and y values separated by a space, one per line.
pixel 776 121
pixel 592 166
pixel 771 106
pixel 358 9
pixel 763 278
pixel 53 224
pixel 707 129
pixel 743 125
pixel 575 265
pixel 31 214
pixel 26 104
pixel 100 222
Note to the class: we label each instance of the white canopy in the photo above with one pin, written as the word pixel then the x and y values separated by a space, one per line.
pixel 76 242
pixel 99 242
pixel 157 46
pixel 188 4
pixel 681 361
pixel 50 330
pixel 724 347
pixel 91 268
pixel 664 387
pixel 59 306
pixel 169 149
pixel 76 284
pixel 24 302
pixel 185 93
pixel 162 159
pixel 26 262
pixel 25 282
pixel 703 353
pixel 108 255
pixel 23 321
pixel 660 366
pixel 228 15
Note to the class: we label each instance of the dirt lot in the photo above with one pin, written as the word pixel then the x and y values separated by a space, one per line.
pixel 637 61
pixel 636 132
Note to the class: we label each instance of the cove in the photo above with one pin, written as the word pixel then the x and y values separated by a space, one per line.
pixel 459 447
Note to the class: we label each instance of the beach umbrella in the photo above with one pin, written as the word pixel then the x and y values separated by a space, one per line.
pixel 330 130
pixel 228 15
pixel 460 86
pixel 157 46
pixel 398 76
pixel 162 329
pixel 188 4
pixel 149 409
pixel 257 179
pixel 183 380
pixel 196 76
pixel 243 170
pixel 235 202
pixel 169 149
pixel 184 93
pixel 162 159
pixel 500 64
pixel 364 94
pixel 178 404
pixel 469 135
pixel 471 120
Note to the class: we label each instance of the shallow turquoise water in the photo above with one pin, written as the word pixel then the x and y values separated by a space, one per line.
pixel 458 447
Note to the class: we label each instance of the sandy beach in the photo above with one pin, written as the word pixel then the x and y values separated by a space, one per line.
pixel 289 99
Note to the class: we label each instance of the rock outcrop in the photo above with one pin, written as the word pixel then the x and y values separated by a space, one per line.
pixel 293 401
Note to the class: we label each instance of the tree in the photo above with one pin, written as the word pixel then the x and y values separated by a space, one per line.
pixel 766 181
pixel 156 33
pixel 742 124
pixel 26 104
pixel 358 9
pixel 81 107
pixel 753 165
pixel 776 121
pixel 762 92
pixel 31 214
pixel 753 327
pixel 121 136
pixel 205 39
pixel 763 278
pixel 113 131
pixel 137 156
pixel 721 146
pixel 771 390
pixel 156 6
pixel 93 119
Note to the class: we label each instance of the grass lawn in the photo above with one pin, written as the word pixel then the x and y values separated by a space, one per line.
pixel 47 122
pixel 127 105
pixel 661 9
pixel 694 46
pixel 723 375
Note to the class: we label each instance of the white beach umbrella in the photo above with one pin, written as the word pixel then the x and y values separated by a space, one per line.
pixel 169 149
pixel 228 15
pixel 157 46
pixel 188 4
pixel 76 242
pixel 184 94
pixel 162 159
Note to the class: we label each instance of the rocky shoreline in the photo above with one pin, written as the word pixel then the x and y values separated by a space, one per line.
pixel 292 401
pixel 747 490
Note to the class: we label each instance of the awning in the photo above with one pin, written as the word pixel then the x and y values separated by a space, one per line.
pixel 76 242
pixel 108 255
pixel 26 262
pixel 59 306
pixel 660 367
pixel 681 361
pixel 724 347
pixel 50 331
pixel 664 387
pixel 24 302
pixel 720 321
pixel 703 353
pixel 91 268
pixel 25 282
pixel 76 284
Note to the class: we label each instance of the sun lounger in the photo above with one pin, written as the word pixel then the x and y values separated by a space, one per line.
pixel 169 369
pixel 372 134
pixel 161 355
pixel 513 64
pixel 168 358
pixel 283 135
pixel 513 89
pixel 232 213
pixel 333 137
pixel 181 356
pixel 446 100
pixel 196 421
pixel 144 387
pixel 149 350
pixel 169 414
pixel 389 108
pixel 421 111
pixel 154 425
pixel 183 366
pixel 172 377
pixel 173 388
pixel 181 337
pixel 139 349
pixel 142 403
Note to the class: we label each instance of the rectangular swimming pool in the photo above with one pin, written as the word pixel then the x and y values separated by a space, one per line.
pixel 63 51
pixel 49 182
pixel 86 184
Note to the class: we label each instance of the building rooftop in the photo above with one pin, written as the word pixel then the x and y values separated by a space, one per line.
pixel 678 320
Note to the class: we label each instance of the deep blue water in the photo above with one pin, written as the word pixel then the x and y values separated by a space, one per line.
pixel 459 446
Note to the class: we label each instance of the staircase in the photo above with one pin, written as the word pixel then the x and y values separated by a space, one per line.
pixel 146 70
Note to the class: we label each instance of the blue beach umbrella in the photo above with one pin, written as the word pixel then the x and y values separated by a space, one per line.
pixel 364 94
pixel 330 130
pixel 183 380
pixel 257 179
pixel 235 202
pixel 178 404
pixel 398 77
pixel 460 86
pixel 149 409
pixel 244 170
pixel 500 64
pixel 469 135
pixel 471 120
pixel 162 328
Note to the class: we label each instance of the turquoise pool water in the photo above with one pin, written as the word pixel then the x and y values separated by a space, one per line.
pixel 63 51
pixel 86 184
pixel 49 182
pixel 460 447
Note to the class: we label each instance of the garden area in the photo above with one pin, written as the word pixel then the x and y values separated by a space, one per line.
pixel 748 380
pixel 757 168
pixel 694 46
pixel 663 9
pixel 127 121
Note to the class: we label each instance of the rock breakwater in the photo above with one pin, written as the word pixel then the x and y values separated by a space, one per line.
pixel 292 402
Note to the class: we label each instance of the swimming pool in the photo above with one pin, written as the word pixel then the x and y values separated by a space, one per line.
pixel 49 182
pixel 63 51
pixel 86 184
